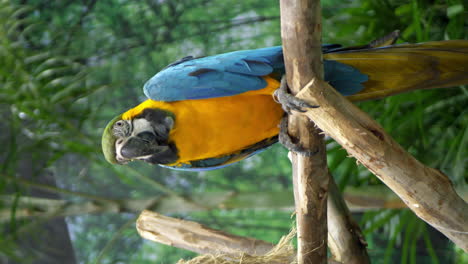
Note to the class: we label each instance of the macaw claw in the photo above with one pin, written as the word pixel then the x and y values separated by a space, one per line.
pixel 289 102
pixel 286 140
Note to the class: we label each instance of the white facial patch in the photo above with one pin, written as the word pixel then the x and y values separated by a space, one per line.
pixel 138 126
pixel 141 125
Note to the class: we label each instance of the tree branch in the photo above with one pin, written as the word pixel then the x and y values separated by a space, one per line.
pixel 196 237
pixel 217 246
pixel 426 191
pixel 345 238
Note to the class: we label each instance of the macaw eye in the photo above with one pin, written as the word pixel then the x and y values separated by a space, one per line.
pixel 121 128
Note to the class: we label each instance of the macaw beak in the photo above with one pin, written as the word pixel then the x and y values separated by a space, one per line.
pixel 139 148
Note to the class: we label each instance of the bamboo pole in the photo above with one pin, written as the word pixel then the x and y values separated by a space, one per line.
pixel 301 37
pixel 426 191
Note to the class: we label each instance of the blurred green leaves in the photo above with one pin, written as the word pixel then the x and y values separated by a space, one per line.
pixel 454 10
pixel 41 88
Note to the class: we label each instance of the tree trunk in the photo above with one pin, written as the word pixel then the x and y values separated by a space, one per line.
pixel 301 37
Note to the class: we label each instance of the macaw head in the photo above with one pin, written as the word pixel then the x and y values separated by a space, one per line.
pixel 143 137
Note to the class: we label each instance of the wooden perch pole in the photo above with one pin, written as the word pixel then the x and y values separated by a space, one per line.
pixel 215 245
pixel 426 191
pixel 196 237
pixel 301 36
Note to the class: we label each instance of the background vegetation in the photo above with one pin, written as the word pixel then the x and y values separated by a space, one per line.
pixel 67 67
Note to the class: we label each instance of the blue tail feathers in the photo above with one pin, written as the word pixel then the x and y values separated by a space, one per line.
pixel 344 78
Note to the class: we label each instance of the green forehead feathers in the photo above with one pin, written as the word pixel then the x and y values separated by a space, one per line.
pixel 108 141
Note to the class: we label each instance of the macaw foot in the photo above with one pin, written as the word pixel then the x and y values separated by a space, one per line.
pixel 286 140
pixel 289 102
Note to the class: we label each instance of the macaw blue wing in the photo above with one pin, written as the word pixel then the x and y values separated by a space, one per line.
pixel 238 72
pixel 215 76
pixel 344 78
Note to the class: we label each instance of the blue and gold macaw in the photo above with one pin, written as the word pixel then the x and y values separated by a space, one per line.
pixel 207 113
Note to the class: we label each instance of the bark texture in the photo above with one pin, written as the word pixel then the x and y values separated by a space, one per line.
pixel 196 237
pixel 426 191
pixel 301 36
pixel 345 238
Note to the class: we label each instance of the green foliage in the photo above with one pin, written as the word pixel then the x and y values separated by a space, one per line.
pixel 418 20
pixel 68 67
pixel 42 112
pixel 42 90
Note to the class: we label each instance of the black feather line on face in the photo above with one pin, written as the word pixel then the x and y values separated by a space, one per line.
pixel 162 123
